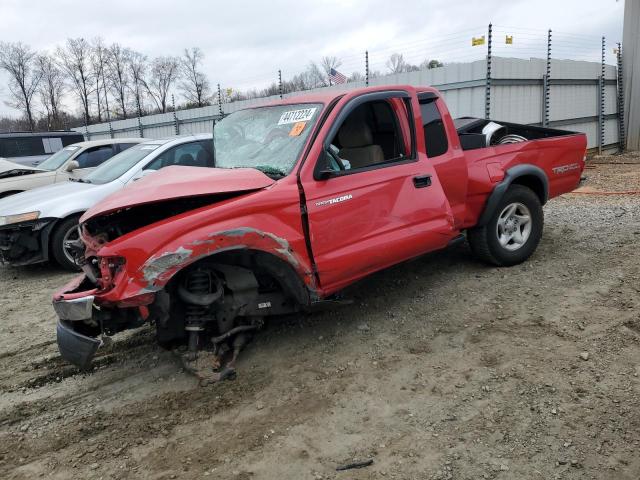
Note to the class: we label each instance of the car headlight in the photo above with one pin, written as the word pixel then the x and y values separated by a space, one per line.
pixel 19 218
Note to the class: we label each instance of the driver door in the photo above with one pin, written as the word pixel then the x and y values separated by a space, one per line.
pixel 386 205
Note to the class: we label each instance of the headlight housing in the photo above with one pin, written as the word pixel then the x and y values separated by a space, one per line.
pixel 19 218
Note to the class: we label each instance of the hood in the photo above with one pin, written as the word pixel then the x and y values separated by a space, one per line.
pixel 47 200
pixel 176 182
pixel 11 169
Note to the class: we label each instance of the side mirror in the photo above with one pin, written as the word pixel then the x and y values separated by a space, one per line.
pixel 331 164
pixel 72 165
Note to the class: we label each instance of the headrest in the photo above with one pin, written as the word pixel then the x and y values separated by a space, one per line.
pixel 355 133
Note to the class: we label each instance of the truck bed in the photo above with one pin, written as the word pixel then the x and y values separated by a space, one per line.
pixel 477 133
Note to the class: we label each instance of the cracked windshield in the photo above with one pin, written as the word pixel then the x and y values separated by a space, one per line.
pixel 268 139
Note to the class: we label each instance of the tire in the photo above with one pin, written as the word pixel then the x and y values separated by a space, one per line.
pixel 59 236
pixel 507 238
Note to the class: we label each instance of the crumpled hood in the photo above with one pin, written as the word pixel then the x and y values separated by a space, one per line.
pixel 7 166
pixel 176 182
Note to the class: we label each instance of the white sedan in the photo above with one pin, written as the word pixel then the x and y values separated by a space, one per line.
pixel 43 223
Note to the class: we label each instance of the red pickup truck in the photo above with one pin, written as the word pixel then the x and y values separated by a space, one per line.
pixel 309 195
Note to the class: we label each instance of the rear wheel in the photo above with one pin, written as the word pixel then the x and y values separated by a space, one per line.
pixel 65 233
pixel 514 230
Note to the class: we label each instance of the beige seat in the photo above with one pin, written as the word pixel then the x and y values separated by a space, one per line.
pixel 357 143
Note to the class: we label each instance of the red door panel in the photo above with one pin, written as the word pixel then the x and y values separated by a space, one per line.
pixel 368 220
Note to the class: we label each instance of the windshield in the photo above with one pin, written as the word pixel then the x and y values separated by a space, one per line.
pixel 56 160
pixel 119 164
pixel 266 138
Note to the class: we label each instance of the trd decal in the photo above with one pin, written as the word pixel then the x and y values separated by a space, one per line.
pixel 566 168
pixel 331 201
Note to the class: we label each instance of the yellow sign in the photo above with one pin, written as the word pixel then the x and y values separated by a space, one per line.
pixel 477 41
pixel 509 40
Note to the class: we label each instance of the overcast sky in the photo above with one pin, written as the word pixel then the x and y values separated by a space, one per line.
pixel 245 43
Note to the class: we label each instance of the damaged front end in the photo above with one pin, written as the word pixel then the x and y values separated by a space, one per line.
pixel 206 298
pixel 211 306
pixel 25 243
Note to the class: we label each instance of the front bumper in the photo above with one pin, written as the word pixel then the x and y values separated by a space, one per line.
pixel 75 309
pixel 74 347
pixel 25 243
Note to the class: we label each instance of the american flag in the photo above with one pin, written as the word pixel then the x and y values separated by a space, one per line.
pixel 336 77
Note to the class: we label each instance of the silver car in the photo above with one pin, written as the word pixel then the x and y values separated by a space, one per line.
pixel 76 160
pixel 41 224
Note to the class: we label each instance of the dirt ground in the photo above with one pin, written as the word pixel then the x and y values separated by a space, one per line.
pixel 442 368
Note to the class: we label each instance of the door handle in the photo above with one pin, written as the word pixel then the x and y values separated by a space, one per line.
pixel 422 181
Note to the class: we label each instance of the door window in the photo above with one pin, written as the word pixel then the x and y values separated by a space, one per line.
pixel 92 157
pixel 369 136
pixel 187 155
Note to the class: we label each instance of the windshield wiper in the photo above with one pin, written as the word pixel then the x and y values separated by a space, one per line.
pixel 79 180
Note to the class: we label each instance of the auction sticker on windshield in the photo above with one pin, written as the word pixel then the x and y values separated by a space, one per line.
pixel 295 116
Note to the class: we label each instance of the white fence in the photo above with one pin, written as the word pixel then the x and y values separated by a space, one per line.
pixel 516 95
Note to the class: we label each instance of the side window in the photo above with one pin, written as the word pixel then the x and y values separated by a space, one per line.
pixel 92 157
pixel 435 137
pixel 187 155
pixel 370 135
pixel 52 144
pixel 22 147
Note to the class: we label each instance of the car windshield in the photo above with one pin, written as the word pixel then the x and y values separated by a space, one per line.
pixel 119 164
pixel 56 160
pixel 266 138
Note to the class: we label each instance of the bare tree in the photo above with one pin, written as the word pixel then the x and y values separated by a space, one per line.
pixel 138 72
pixel 75 60
pixel 396 63
pixel 98 66
pixel 195 85
pixel 164 72
pixel 17 59
pixel 118 75
pixel 50 89
pixel 328 64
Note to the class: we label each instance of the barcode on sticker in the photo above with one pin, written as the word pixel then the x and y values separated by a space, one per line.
pixel 294 116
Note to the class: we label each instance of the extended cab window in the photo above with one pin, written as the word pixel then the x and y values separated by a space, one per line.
pixel 369 136
pixel 435 136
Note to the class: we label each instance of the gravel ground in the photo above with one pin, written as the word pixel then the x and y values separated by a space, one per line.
pixel 442 368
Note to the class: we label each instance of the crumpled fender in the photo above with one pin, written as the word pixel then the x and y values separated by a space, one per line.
pixel 158 269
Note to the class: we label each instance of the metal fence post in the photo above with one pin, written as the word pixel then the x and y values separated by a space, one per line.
pixel 621 129
pixel 280 83
pixel 546 94
pixel 219 101
pixel 140 128
pixel 366 67
pixel 487 88
pixel 176 124
pixel 601 84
